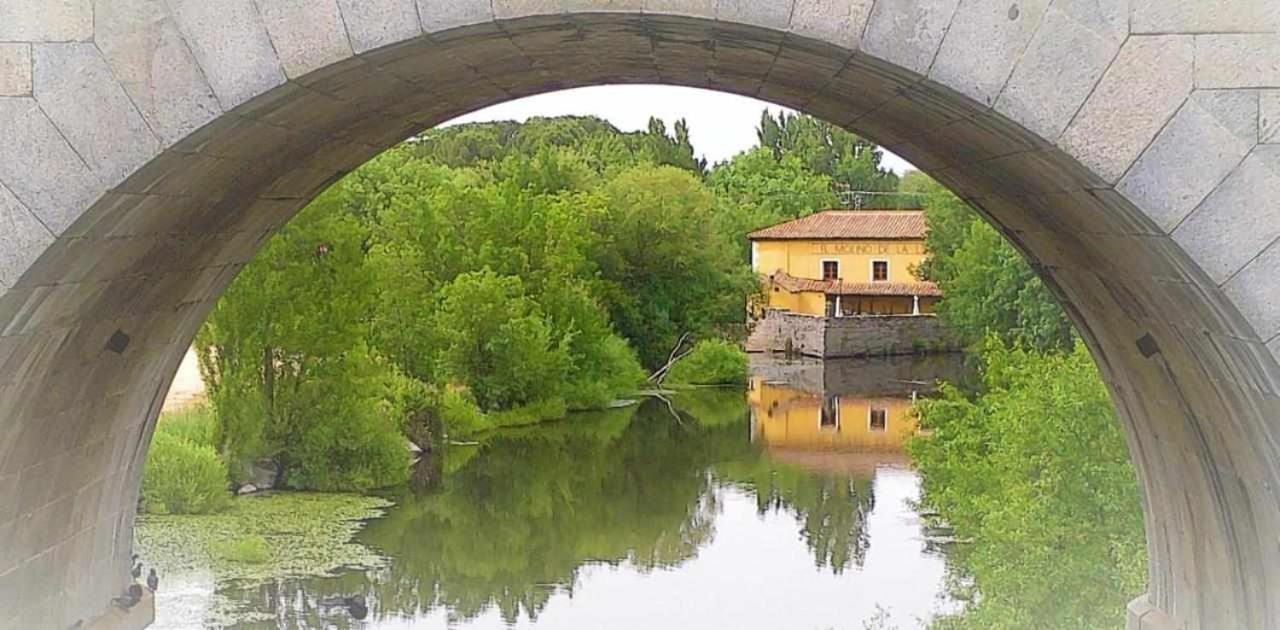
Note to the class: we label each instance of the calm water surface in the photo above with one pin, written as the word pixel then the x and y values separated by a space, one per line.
pixel 791 506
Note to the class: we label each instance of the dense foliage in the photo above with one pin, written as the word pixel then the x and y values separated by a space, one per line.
pixel 1035 471
pixel 989 287
pixel 497 274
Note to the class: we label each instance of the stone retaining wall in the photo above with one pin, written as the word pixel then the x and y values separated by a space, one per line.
pixel 859 336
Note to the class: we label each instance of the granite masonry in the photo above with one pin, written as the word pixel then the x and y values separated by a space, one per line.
pixel 148 148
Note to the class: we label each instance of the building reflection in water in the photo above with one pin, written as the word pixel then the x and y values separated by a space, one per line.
pixel 842 415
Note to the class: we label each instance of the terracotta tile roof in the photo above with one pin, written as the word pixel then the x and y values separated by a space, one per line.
pixel 849 224
pixel 841 287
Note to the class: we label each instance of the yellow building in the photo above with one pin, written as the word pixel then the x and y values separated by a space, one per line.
pixel 840 263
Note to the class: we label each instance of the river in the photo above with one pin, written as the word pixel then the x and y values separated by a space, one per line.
pixel 792 506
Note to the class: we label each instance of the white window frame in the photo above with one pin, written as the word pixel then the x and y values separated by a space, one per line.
pixel 836 404
pixel 755 256
pixel 871 270
pixel 822 267
pixel 871 409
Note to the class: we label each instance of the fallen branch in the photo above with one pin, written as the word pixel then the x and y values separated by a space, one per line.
pixel 672 358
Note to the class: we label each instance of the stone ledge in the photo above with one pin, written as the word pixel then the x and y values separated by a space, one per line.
pixel 1143 616
pixel 140 616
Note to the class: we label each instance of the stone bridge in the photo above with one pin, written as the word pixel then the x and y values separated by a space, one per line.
pixel 1130 148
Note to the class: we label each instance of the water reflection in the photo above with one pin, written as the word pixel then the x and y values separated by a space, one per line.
pixel 638 518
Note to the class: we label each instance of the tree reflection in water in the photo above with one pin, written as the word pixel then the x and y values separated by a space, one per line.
pixel 511 523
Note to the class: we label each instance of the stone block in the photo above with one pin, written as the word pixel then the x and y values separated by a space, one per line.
pixel 1059 69
pixel 377 23
pixel 111 137
pixel 1130 104
pixel 1269 117
pixel 15 69
pixel 46 20
pixel 1203 142
pixel 231 45
pixel 154 65
pixel 838 22
pixel 440 15
pixel 1255 290
pixel 603 6
pixel 693 8
pixel 22 238
pixel 1202 16
pixel 40 168
pixel 908 33
pixel 1238 61
pixel 985 40
pixel 1231 227
pixel 512 9
pixel 307 34
pixel 774 15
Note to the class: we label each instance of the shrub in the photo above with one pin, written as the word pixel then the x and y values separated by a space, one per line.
pixel 1025 470
pixel 712 362
pixel 197 423
pixel 248 550
pixel 183 477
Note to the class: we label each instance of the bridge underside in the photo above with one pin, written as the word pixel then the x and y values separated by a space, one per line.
pixel 151 148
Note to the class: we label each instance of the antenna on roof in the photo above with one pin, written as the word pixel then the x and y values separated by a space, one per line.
pixel 879 200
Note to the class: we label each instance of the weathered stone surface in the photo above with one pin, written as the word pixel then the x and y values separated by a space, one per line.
pixel 232 46
pixel 114 141
pixel 1269 117
pixel 776 14
pixel 843 337
pixel 46 20
pixel 984 41
pixel 908 33
pixel 1256 292
pixel 837 21
pixel 439 15
pixel 1238 61
pixel 1200 415
pixel 22 238
pixel 40 168
pixel 154 65
pixel 15 69
pixel 307 34
pixel 1061 65
pixel 1231 227
pixel 1199 16
pixel 1130 104
pixel 693 8
pixel 1207 138
pixel 376 23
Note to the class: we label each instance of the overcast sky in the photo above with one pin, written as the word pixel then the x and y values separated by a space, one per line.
pixel 720 125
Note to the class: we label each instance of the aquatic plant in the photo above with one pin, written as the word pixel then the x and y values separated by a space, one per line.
pixel 250 549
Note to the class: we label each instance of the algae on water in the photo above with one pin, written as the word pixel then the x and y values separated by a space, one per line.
pixel 306 534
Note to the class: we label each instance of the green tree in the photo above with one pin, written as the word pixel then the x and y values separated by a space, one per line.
pixel 496 341
pixel 851 162
pixel 663 270
pixel 1036 472
pixel 988 286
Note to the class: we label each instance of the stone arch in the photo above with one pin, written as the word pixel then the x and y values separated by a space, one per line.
pixel 1130 148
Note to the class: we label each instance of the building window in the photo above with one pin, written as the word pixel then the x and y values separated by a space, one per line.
pixel 830 270
pixel 829 417
pixel 879 270
pixel 878 420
